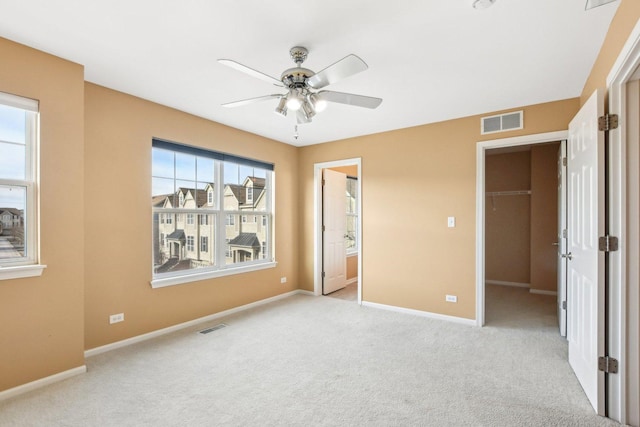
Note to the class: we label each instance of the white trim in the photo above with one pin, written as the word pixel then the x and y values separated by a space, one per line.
pixel 620 74
pixel 351 281
pixel 481 147
pixel 21 102
pixel 18 272
pixel 454 319
pixel 542 292
pixel 317 226
pixel 195 276
pixel 144 337
pixel 503 283
pixel 42 382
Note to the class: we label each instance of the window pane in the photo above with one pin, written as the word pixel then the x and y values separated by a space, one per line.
pixel 181 246
pixel 350 238
pixel 185 167
pixel 162 163
pixel 12 161
pixel 13 124
pixel 162 189
pixel 13 201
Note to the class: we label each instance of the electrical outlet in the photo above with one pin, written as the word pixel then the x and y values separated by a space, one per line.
pixel 451 298
pixel 451 221
pixel 115 318
pixel 283 279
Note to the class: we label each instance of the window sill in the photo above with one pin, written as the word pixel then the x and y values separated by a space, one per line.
pixel 350 254
pixel 194 277
pixel 21 271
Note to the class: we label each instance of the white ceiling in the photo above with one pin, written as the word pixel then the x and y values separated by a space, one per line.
pixel 429 60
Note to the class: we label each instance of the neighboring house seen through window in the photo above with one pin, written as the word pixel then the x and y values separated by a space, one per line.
pixel 190 207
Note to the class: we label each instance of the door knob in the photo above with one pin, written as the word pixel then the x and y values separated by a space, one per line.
pixel 568 256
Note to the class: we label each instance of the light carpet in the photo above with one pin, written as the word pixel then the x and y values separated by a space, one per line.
pixel 317 361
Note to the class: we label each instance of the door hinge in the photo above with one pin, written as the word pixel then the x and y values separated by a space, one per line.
pixel 324 228
pixel 564 233
pixel 323 274
pixel 564 161
pixel 323 182
pixel 608 365
pixel 564 305
pixel 608 243
pixel 608 122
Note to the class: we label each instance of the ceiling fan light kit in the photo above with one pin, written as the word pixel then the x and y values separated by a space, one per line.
pixel 302 86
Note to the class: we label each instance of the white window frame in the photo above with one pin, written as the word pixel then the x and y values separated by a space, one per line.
pixel 190 220
pixel 27 266
pixel 249 194
pixel 220 267
pixel 354 250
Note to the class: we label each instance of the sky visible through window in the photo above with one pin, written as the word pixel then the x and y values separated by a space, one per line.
pixel 12 155
pixel 184 170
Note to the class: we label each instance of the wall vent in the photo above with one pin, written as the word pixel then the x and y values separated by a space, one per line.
pixel 501 122
pixel 213 328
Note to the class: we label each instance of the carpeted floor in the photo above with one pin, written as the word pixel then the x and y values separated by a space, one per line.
pixel 317 361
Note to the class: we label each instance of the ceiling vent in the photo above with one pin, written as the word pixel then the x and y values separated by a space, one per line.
pixel 501 123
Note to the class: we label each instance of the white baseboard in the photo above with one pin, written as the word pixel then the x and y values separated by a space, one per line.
pixel 164 331
pixel 352 280
pixel 469 322
pixel 25 388
pixel 542 292
pixel 503 283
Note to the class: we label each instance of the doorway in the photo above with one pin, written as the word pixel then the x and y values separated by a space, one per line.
pixel 521 233
pixel 351 169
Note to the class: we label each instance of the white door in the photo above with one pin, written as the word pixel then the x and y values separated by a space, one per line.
pixel 585 293
pixel 334 220
pixel 562 240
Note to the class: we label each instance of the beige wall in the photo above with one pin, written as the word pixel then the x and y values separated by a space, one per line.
pixel 623 22
pixel 544 217
pixel 412 180
pixel 508 218
pixel 352 267
pixel 119 129
pixel 41 318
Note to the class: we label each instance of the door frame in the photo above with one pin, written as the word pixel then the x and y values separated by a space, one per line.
pixel 481 148
pixel 622 72
pixel 317 221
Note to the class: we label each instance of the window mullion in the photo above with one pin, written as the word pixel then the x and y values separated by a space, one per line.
pixel 220 242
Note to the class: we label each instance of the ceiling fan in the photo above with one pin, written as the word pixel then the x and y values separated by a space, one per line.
pixel 303 95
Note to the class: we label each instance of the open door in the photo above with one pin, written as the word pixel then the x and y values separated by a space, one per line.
pixel 334 221
pixel 585 221
pixel 562 238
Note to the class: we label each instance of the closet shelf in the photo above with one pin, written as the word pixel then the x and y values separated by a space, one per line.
pixel 509 193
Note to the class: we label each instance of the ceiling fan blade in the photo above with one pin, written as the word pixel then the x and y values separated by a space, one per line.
pixel 350 99
pixel 347 66
pixel 250 101
pixel 250 71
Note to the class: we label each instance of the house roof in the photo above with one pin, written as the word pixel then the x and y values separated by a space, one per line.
pixel 176 235
pixel 429 61
pixel 13 211
pixel 249 240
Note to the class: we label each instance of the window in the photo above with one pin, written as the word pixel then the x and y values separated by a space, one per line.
pixel 249 194
pixel 351 241
pixel 185 178
pixel 161 239
pixel 18 186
